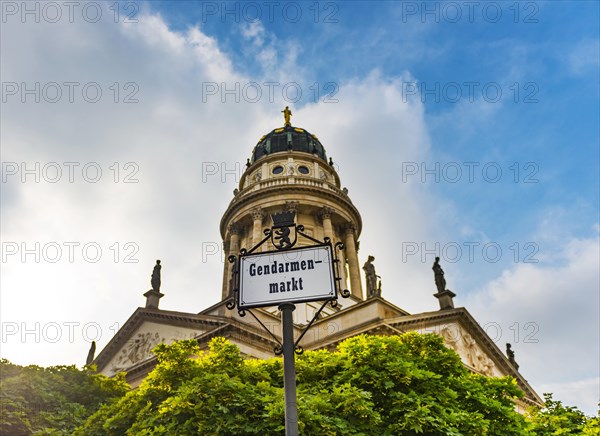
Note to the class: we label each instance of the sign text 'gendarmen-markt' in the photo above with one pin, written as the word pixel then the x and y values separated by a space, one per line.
pixel 290 276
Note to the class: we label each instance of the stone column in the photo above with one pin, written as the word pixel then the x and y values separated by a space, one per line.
pixel 233 247
pixel 234 239
pixel 325 215
pixel 257 216
pixel 353 266
pixel 343 269
pixel 319 231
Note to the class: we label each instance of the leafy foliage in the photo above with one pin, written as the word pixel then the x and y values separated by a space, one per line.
pixel 392 385
pixel 216 393
pixel 372 385
pixel 417 385
pixel 54 400
pixel 556 419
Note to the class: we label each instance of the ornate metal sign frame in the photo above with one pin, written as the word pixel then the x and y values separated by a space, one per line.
pixel 244 301
pixel 282 238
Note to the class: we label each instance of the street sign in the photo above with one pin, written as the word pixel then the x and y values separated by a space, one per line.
pixel 288 276
pixel 282 278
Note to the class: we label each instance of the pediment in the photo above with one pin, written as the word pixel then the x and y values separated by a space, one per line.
pixel 138 347
pixel 145 329
pixel 469 340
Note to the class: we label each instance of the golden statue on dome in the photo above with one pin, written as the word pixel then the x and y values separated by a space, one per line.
pixel 287 114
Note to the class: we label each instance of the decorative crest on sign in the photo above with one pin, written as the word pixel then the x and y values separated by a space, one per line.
pixel 283 219
pixel 283 224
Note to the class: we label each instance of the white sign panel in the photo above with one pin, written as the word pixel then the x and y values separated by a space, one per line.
pixel 291 276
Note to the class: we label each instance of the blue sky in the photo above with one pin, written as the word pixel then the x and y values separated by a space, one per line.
pixel 543 56
pixel 403 104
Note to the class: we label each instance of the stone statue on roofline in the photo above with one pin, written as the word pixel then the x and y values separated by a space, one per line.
pixel 91 354
pixel 511 356
pixel 373 288
pixel 155 280
pixel 438 273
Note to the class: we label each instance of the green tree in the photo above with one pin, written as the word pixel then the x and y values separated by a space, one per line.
pixel 555 419
pixel 217 392
pixel 372 385
pixel 391 385
pixel 54 400
pixel 592 426
pixel 417 386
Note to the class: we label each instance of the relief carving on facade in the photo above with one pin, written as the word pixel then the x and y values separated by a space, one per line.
pixel 486 366
pixel 136 350
pixel 466 347
pixel 139 348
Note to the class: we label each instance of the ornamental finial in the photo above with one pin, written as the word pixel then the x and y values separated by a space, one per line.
pixel 287 113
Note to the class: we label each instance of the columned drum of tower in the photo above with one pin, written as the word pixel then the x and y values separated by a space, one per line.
pixel 289 170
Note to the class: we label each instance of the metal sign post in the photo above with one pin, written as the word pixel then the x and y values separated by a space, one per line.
pixel 283 277
pixel 289 370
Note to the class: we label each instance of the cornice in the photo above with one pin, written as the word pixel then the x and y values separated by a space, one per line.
pixel 206 312
pixel 251 197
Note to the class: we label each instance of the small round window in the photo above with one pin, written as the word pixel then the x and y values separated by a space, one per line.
pixel 278 169
pixel 302 169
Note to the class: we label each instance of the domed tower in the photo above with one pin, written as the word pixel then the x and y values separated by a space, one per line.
pixel 289 171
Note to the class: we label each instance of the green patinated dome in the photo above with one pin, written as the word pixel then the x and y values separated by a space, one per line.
pixel 288 138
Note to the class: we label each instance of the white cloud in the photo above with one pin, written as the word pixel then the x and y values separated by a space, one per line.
pixel 584 392
pixel 254 32
pixel 550 314
pixel 583 56
pixel 168 136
